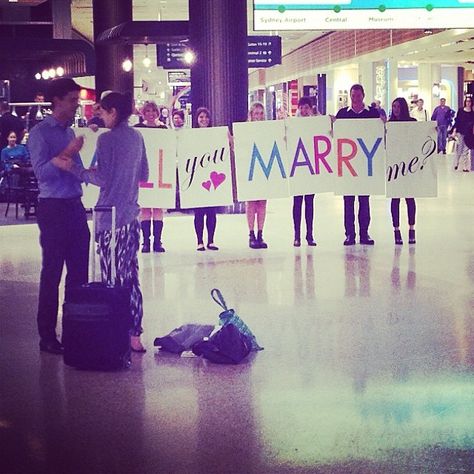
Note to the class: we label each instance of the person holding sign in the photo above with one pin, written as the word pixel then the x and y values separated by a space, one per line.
pixel 150 114
pixel 401 113
pixel 203 120
pixel 121 165
pixel 463 126
pixel 305 109
pixel 256 208
pixel 357 110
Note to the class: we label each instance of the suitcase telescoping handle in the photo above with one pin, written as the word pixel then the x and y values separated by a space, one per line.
pixel 93 253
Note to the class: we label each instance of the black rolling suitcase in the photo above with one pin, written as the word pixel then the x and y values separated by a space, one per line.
pixel 97 318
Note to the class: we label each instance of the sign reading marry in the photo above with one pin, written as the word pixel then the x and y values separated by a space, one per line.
pixel 90 191
pixel 411 153
pixel 360 156
pixel 204 171
pixel 260 160
pixel 159 190
pixel 311 159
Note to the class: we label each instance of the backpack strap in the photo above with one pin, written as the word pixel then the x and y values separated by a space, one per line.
pixel 218 298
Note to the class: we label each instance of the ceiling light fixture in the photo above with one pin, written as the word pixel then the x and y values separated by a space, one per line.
pixel 127 65
pixel 146 59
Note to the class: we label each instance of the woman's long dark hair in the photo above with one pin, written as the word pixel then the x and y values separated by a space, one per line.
pixel 404 111
pixel 122 103
pixel 199 111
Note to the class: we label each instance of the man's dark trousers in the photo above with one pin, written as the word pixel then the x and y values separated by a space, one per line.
pixel 363 216
pixel 64 238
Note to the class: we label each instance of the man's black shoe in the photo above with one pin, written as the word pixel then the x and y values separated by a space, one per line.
pixel 366 240
pixel 53 347
pixel 350 240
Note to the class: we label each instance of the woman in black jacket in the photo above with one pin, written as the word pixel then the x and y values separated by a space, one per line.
pixel 462 127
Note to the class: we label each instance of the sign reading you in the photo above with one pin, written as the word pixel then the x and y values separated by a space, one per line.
pixel 263 51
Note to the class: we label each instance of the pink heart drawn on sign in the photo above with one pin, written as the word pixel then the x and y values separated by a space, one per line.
pixel 206 185
pixel 217 179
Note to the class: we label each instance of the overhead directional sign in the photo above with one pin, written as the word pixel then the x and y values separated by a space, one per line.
pixel 263 51
pixel 361 14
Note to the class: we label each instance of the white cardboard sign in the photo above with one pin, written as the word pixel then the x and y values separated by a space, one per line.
pixel 411 152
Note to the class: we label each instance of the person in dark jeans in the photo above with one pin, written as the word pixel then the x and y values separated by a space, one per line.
pixel 400 113
pixel 203 120
pixel 357 110
pixel 305 109
pixel 64 233
pixel 443 115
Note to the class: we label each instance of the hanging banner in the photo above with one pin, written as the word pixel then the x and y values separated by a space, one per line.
pixel 160 189
pixel 90 191
pixel 204 170
pixel 411 152
pixel 360 156
pixel 260 160
pixel 312 163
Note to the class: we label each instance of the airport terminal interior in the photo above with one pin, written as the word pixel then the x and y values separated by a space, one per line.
pixel 368 359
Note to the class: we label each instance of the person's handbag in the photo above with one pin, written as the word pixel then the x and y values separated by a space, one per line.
pixel 227 346
pixel 183 338
pixel 229 316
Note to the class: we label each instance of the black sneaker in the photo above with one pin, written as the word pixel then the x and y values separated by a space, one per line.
pixel 366 240
pixel 350 240
pixel 157 247
pixel 52 346
pixel 252 240
pixel 261 244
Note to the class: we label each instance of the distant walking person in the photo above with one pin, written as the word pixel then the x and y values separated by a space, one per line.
pixel 64 234
pixel 357 110
pixel 419 113
pixel 442 114
pixel 400 113
pixel 462 127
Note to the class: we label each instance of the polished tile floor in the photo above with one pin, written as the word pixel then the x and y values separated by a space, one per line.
pixel 368 364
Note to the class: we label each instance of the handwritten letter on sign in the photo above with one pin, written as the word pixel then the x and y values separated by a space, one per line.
pixel 204 169
pixel 160 189
pixel 411 153
pixel 311 159
pixel 260 160
pixel 360 156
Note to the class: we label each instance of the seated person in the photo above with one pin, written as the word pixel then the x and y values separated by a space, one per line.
pixel 14 154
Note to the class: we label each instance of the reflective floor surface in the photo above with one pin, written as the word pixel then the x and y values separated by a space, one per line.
pixel 368 364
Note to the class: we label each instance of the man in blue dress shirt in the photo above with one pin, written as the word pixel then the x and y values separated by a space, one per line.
pixel 357 110
pixel 64 234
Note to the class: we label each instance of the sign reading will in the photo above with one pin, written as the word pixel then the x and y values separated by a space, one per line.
pixel 361 14
pixel 263 51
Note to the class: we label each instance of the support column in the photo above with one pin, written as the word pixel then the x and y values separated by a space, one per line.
pixel 62 26
pixel 392 89
pixel 219 76
pixel 366 78
pixel 109 73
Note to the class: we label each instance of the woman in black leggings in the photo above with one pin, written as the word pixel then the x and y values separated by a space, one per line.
pixel 305 109
pixel 203 119
pixel 400 113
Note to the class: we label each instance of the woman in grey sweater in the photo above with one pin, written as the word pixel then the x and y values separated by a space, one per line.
pixel 121 165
